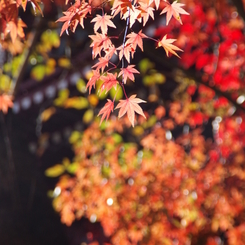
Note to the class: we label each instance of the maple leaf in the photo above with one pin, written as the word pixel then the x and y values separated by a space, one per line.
pixel 100 42
pixel 146 12
pixel 5 102
pixel 168 46
pixel 35 5
pixel 110 51
pixel 121 6
pixel 103 62
pixel 174 9
pixel 106 110
pixel 157 3
pixel 102 22
pixel 130 105
pixel 92 80
pixel 135 39
pixel 128 73
pixel 110 80
pixel 125 51
pixel 134 14
pixel 66 19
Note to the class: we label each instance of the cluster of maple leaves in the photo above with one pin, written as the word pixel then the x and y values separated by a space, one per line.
pixel 102 46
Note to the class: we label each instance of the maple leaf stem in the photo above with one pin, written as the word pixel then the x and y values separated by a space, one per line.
pixel 153 39
pixel 124 91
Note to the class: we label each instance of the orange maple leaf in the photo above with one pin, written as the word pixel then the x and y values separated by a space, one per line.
pixel 103 62
pixel 100 42
pixel 146 12
pixel 168 46
pixel 92 80
pixel 106 110
pixel 6 102
pixel 128 73
pixel 130 105
pixel 110 80
pixel 174 9
pixel 102 22
pixel 136 39
pixel 126 51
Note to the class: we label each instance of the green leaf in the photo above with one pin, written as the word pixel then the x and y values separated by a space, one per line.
pixel 150 122
pixel 5 82
pixel 38 72
pixel 55 171
pixel 88 116
pixel 78 103
pixel 75 136
pixel 81 85
pixel 72 168
pixel 62 97
pixel 118 92
pixel 117 138
pixel 145 65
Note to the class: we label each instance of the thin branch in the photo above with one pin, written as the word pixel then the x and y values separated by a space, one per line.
pixel 124 40
pixel 11 175
pixel 32 41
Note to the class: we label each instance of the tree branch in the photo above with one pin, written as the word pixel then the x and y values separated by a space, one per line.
pixel 32 41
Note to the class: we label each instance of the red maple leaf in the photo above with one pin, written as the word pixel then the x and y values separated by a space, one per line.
pixel 174 9
pixel 102 22
pixel 130 105
pixel 128 73
pixel 106 110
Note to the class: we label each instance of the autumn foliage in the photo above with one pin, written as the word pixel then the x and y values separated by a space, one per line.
pixel 102 45
pixel 166 178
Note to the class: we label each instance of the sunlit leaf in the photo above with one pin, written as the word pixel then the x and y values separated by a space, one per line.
pixel 46 114
pixel 81 85
pixel 38 72
pixel 88 116
pixel 62 97
pixel 78 103
pixel 55 171
pixel 75 136
pixel 64 62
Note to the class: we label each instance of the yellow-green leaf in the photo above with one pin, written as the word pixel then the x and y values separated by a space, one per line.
pixel 46 114
pixel 72 168
pixel 118 92
pixel 38 72
pixel 64 62
pixel 62 97
pixel 75 136
pixel 77 103
pixel 88 116
pixel 55 171
pixel 81 85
